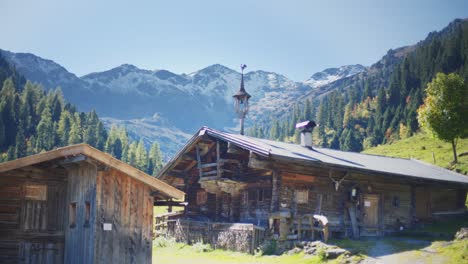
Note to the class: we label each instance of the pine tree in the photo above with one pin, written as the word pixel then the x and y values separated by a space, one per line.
pixel 44 129
pixel 20 146
pixel 117 149
pixel 155 159
pixel 64 127
pixel 74 135
pixel 141 156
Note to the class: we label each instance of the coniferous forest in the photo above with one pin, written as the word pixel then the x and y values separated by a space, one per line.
pixel 33 121
pixel 379 106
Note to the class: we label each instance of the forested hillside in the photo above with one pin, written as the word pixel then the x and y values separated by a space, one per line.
pixel 32 121
pixel 377 106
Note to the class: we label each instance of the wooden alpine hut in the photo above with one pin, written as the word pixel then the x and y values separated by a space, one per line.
pixel 292 190
pixel 77 204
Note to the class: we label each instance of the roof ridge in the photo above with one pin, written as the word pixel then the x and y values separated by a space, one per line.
pixel 98 155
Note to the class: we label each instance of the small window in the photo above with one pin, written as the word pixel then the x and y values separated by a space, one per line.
pixel 252 195
pixel 72 215
pixel 396 201
pixel 302 196
pixel 87 214
pixel 201 197
pixel 261 195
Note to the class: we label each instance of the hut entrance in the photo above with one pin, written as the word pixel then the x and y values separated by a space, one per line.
pixel 371 210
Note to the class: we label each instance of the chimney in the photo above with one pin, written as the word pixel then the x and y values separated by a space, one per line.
pixel 306 129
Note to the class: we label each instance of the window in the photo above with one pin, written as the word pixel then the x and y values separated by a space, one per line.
pixel 72 215
pixel 252 195
pixel 201 197
pixel 302 196
pixel 261 195
pixel 87 214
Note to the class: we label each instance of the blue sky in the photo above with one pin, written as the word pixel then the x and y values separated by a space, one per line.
pixel 295 38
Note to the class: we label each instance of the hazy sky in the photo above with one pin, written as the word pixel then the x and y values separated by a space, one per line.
pixel 295 38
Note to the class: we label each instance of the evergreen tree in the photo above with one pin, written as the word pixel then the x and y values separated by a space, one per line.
pixel 20 146
pixel 155 159
pixel 44 129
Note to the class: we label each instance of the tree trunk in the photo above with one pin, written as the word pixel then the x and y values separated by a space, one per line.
pixel 454 148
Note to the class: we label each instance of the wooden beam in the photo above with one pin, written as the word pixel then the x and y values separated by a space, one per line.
pixel 170 203
pixel 256 163
pixel 218 159
pixel 276 185
pixel 199 164
pixel 84 149
pixel 177 174
pixel 190 166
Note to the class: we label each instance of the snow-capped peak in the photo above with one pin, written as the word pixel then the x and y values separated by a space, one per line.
pixel 332 74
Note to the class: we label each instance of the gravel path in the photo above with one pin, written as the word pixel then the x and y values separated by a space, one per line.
pixel 417 252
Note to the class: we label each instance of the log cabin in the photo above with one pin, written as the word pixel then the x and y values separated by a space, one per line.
pixel 284 188
pixel 77 204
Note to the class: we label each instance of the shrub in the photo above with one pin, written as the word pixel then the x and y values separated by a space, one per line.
pixel 268 247
pixel 200 247
pixel 163 242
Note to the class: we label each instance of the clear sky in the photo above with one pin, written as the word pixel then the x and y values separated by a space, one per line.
pixel 295 38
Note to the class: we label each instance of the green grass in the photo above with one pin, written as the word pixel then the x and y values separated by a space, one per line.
pixel 359 247
pixel 181 253
pixel 421 146
pixel 456 252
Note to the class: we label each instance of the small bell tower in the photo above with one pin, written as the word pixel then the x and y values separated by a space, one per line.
pixel 241 101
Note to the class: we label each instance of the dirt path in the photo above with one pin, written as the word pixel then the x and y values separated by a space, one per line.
pixel 403 251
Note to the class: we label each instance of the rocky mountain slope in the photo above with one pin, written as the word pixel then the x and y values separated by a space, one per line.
pixel 168 107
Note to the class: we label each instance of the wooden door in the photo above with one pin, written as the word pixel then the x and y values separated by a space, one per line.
pixel 422 203
pixel 370 205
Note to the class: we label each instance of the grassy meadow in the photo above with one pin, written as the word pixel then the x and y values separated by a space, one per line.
pixel 422 146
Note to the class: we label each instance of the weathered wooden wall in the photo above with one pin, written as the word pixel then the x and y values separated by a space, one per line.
pixel 230 236
pixel 80 238
pixel 31 223
pixel 255 202
pixel 128 205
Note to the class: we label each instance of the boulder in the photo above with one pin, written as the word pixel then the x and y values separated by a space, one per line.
pixel 333 253
pixel 462 234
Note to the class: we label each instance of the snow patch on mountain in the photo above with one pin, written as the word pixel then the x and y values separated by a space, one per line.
pixel 333 74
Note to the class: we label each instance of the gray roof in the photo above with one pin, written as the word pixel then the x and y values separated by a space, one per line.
pixel 374 163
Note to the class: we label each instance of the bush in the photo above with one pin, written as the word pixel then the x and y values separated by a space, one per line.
pixel 200 247
pixel 163 242
pixel 268 247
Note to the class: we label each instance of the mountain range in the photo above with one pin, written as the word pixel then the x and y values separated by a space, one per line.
pixel 168 107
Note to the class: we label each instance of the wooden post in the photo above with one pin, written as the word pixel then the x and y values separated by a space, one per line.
pixel 311 222
pixel 284 228
pixel 219 172
pixel 200 171
pixel 276 185
pixel 352 217
pixel 299 227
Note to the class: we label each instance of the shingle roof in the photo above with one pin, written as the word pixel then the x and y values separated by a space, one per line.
pixel 374 163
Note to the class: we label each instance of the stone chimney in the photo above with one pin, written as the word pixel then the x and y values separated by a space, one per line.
pixel 306 129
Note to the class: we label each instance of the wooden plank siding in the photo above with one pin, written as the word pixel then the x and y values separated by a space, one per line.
pixel 31 224
pixel 127 204
pixel 80 239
